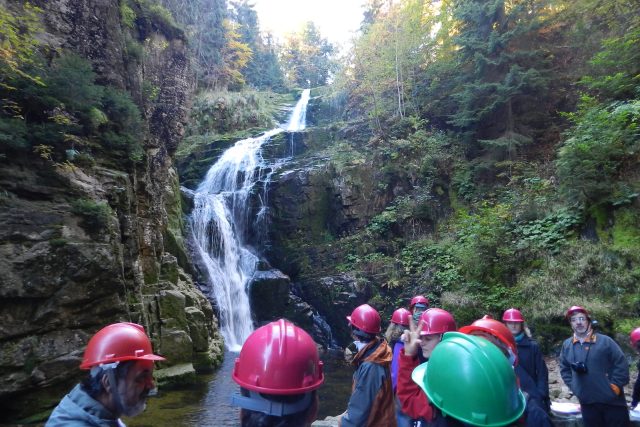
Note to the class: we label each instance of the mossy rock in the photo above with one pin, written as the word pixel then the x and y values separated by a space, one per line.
pixel 175 376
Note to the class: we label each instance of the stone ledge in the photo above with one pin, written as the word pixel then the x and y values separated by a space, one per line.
pixel 175 375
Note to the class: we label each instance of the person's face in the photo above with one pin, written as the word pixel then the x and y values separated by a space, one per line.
pixel 417 310
pixel 428 343
pixel 579 323
pixel 135 387
pixel 514 327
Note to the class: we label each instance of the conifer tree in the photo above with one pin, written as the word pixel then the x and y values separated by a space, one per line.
pixel 500 67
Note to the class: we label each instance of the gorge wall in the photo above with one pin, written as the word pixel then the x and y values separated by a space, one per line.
pixel 66 271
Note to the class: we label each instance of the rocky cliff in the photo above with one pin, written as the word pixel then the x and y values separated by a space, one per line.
pixel 86 245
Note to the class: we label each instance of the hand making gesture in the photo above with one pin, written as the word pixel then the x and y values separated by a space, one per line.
pixel 411 337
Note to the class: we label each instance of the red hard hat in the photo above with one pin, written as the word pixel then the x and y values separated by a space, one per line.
pixel 419 299
pixel 437 321
pixel 401 316
pixel 512 315
pixel 116 343
pixel 576 309
pixel 495 328
pixel 279 358
pixel 635 336
pixel 365 318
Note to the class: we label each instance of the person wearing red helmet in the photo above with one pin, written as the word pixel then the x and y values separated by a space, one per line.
pixel 595 369
pixel 371 402
pixel 120 361
pixel 634 339
pixel 419 342
pixel 529 358
pixel 417 306
pixel 278 371
pixel 535 414
pixel 399 324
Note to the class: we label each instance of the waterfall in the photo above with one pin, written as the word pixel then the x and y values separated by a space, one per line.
pixel 221 225
pixel 297 122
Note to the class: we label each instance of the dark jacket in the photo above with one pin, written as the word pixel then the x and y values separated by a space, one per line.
pixel 78 409
pixel 530 359
pixel 635 396
pixel 371 403
pixel 606 365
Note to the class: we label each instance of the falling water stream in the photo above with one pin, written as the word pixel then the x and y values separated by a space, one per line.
pixel 222 223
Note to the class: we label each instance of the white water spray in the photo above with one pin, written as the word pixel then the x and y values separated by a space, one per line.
pixel 220 223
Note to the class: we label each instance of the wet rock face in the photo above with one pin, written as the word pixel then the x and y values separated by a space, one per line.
pixel 84 247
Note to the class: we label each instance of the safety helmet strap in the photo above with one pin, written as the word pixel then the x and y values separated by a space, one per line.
pixel 255 402
pixel 117 399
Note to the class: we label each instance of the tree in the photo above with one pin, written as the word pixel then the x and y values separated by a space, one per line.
pixel 235 56
pixel 203 21
pixel 263 69
pixel 500 66
pixel 307 57
pixel 18 43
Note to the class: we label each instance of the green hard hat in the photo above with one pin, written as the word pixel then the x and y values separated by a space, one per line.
pixel 469 379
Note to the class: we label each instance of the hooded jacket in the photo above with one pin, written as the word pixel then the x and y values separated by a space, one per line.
pixel 78 409
pixel 371 403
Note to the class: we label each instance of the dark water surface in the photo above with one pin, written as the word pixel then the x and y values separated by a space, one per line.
pixel 206 403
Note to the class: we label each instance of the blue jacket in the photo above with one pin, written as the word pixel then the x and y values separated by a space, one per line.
pixel 78 409
pixel 635 396
pixel 606 364
pixel 372 401
pixel 530 359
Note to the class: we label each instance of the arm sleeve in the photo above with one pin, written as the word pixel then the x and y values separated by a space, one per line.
pixel 542 373
pixel 620 366
pixel 413 400
pixel 635 396
pixel 367 384
pixel 565 367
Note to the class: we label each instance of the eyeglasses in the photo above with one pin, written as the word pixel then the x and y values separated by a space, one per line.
pixel 578 319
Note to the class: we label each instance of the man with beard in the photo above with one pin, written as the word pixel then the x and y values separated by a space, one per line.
pixel 120 363
pixel 594 367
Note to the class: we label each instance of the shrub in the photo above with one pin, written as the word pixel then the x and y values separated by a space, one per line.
pixel 603 142
pixel 95 215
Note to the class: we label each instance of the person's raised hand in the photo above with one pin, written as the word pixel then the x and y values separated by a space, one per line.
pixel 411 338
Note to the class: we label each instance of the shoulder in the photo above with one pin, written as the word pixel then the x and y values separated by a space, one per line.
pixel 567 342
pixel 605 339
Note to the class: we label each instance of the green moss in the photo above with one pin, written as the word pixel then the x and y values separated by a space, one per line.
pixel 599 214
pixel 626 230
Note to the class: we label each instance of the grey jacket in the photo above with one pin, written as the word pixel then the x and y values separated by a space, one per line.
pixel 606 365
pixel 78 409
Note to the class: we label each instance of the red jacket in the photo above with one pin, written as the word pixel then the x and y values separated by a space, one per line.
pixel 413 400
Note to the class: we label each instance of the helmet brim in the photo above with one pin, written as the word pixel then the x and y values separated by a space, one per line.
pixel 151 357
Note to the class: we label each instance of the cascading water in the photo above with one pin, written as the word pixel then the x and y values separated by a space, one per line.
pixel 221 225
pixel 297 121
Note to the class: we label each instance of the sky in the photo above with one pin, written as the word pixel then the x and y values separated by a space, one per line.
pixel 337 19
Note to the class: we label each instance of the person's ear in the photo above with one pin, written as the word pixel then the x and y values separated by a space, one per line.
pixel 106 384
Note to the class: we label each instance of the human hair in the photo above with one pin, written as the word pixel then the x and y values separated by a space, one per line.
pixel 92 383
pixel 394 332
pixel 250 418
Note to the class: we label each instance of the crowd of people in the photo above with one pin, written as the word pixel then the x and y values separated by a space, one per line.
pixel 423 371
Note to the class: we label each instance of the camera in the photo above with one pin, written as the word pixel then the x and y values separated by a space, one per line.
pixel 579 367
